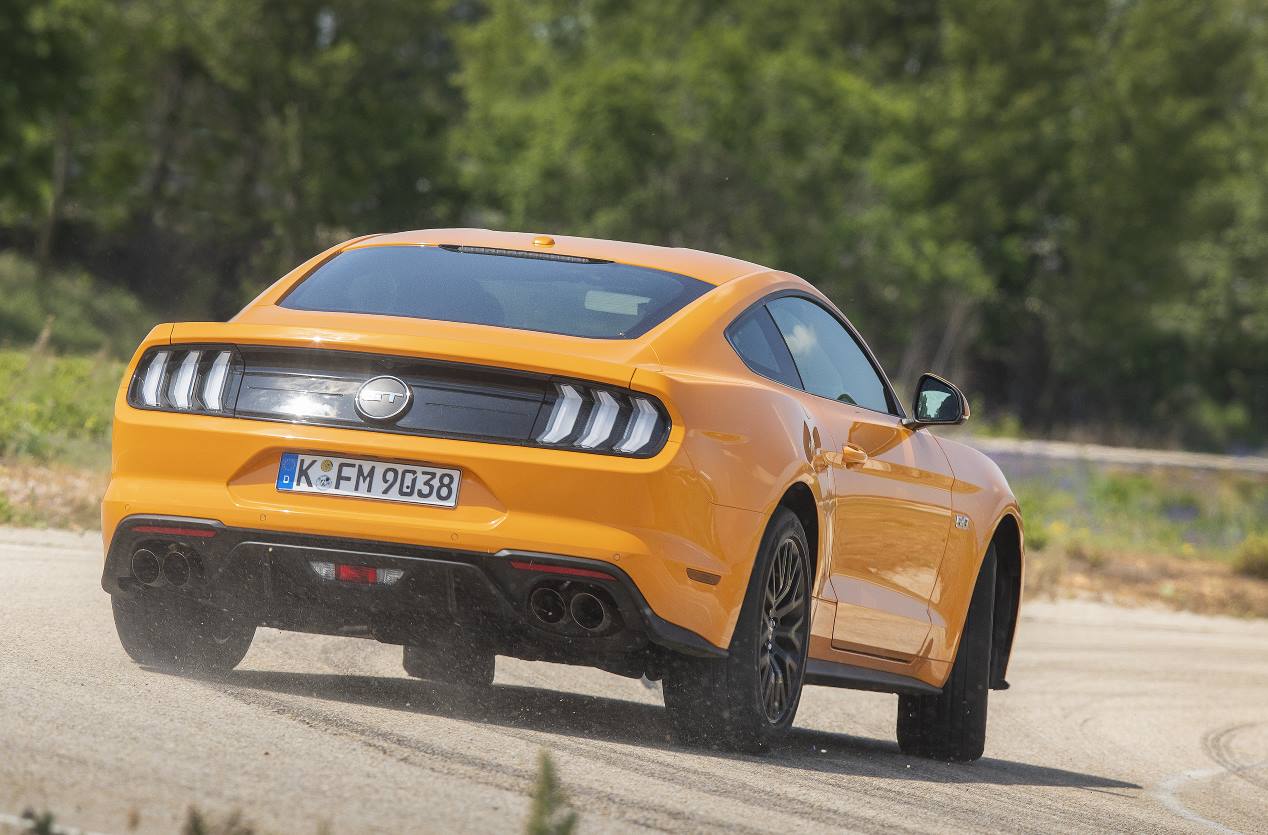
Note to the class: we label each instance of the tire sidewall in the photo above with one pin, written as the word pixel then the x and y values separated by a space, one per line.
pixel 746 642
pixel 160 632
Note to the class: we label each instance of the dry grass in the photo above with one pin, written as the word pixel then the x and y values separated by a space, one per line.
pixel 1205 586
pixel 51 496
pixel 1252 557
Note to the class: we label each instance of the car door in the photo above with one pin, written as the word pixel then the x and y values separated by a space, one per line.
pixel 891 487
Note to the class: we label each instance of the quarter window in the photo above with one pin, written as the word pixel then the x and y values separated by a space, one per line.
pixel 831 363
pixel 757 341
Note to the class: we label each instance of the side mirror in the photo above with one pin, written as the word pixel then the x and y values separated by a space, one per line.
pixel 937 403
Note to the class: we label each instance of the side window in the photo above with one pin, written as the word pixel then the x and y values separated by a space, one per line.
pixel 830 361
pixel 756 339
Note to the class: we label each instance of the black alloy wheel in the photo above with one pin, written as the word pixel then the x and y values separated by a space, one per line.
pixel 781 652
pixel 748 700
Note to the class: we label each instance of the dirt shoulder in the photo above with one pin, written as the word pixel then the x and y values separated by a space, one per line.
pixel 51 496
pixel 1192 585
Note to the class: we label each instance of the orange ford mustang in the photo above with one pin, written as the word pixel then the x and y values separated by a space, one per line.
pixel 654 461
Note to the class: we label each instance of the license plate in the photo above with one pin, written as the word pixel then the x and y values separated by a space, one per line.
pixel 331 475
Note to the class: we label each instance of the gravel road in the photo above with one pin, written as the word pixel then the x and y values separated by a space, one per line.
pixel 1118 720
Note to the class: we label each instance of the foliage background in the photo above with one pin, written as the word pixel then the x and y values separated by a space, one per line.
pixel 1062 205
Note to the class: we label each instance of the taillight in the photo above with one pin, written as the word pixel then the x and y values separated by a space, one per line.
pixel 601 419
pixel 187 378
pixel 363 574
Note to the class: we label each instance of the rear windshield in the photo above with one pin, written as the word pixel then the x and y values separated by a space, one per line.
pixel 574 297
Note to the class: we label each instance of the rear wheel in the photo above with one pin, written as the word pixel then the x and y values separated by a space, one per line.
pixel 748 700
pixel 952 726
pixel 179 634
pixel 462 664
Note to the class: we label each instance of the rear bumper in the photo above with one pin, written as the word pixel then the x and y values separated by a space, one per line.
pixel 651 521
pixel 267 577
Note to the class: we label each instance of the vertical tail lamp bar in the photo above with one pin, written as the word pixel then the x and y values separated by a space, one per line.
pixel 183 382
pixel 214 386
pixel 564 416
pixel 601 421
pixel 642 424
pixel 153 377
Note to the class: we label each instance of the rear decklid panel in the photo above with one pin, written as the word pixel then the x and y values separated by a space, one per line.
pixel 449 399
pixel 603 361
pixel 313 376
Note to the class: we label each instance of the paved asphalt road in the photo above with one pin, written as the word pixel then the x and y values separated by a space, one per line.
pixel 1118 720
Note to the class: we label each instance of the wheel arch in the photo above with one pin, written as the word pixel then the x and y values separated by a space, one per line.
pixel 1007 541
pixel 800 499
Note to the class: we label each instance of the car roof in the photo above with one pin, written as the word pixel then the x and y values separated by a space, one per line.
pixel 706 266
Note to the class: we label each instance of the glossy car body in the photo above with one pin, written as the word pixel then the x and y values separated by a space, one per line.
pixel 898 520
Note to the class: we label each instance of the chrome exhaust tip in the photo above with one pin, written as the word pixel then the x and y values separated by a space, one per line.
pixel 176 568
pixel 547 605
pixel 145 566
pixel 589 612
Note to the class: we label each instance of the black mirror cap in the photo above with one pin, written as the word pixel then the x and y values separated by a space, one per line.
pixel 951 410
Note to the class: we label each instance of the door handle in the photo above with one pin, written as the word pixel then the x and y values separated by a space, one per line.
pixel 852 456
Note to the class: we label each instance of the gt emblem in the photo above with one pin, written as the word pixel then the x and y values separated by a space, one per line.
pixel 383 399
pixel 961 521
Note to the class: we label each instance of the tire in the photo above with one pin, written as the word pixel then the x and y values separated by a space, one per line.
pixel 952 726
pixel 467 665
pixel 180 635
pixel 748 700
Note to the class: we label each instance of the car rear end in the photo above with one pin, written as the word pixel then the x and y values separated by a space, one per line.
pixel 343 463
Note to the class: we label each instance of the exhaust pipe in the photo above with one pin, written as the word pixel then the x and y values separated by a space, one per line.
pixel 176 568
pixel 547 605
pixel 145 566
pixel 589 612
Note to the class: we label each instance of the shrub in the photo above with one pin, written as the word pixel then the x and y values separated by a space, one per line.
pixel 82 314
pixel 1252 557
pixel 41 823
pixel 1037 539
pixel 1087 552
pixel 196 823
pixel 56 407
pixel 550 814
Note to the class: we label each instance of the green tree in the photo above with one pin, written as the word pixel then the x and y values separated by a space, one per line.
pixel 1005 190
pixel 1063 205
pixel 40 67
pixel 222 142
pixel 773 133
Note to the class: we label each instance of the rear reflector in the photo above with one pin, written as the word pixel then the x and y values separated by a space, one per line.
pixel 165 530
pixel 706 577
pixel 560 569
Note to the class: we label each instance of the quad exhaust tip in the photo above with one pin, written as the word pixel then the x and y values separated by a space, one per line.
pixel 548 605
pixel 558 607
pixel 176 568
pixel 145 566
pixel 589 612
